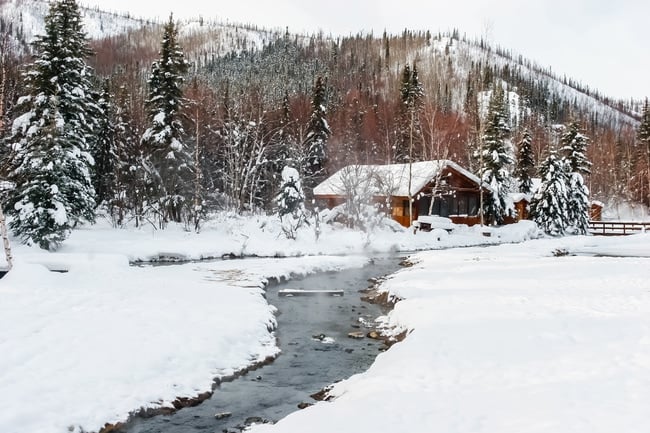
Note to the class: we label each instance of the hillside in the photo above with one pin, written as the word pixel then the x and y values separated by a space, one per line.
pixel 23 19
pixel 265 74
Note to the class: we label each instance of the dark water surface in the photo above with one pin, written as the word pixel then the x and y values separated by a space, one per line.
pixel 309 360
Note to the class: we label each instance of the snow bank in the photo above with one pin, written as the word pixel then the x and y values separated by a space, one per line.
pixel 87 347
pixel 508 339
pixel 99 339
pixel 262 236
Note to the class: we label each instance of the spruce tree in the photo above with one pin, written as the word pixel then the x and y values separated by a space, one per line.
pixel 40 207
pixel 574 146
pixel 549 207
pixel 291 202
pixel 577 204
pixel 51 137
pixel 163 142
pixel 287 153
pixel 496 158
pixel 409 136
pixel 525 163
pixel 643 133
pixel 643 136
pixel 130 188
pixel 105 151
pixel 318 133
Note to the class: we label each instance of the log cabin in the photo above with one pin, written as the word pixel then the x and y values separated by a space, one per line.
pixel 439 187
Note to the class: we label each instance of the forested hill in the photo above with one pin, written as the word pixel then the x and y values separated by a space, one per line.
pixel 21 20
pixel 266 76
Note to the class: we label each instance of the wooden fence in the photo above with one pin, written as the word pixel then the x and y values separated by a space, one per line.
pixel 617 228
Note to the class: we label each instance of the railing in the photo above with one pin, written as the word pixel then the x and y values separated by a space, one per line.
pixel 617 228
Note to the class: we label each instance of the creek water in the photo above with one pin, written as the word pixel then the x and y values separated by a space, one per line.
pixel 315 349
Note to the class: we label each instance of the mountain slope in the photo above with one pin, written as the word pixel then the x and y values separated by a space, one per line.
pixel 23 19
pixel 255 71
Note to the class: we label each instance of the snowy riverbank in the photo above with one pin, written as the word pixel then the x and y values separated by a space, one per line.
pixel 508 339
pixel 87 347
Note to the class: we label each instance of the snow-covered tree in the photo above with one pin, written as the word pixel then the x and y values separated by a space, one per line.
pixel 577 205
pixel 243 159
pixel 574 145
pixel 642 180
pixel 104 151
pixel 286 151
pixel 525 163
pixel 163 141
pixel 496 158
pixel 409 135
pixel 318 133
pixel 51 138
pixel 130 174
pixel 549 207
pixel 643 133
pixel 41 208
pixel 291 202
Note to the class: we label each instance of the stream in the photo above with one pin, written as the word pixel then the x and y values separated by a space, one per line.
pixel 315 349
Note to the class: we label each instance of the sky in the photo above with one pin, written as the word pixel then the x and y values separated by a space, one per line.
pixel 600 43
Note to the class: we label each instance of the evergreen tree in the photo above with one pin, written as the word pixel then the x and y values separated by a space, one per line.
pixel 129 166
pixel 643 133
pixel 496 158
pixel 291 203
pixel 105 152
pixel 318 133
pixel 525 163
pixel 411 96
pixel 643 136
pixel 577 204
pixel 574 146
pixel 40 209
pixel 549 207
pixel 287 152
pixel 51 137
pixel 168 156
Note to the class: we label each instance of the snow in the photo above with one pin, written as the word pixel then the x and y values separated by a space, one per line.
pixel 159 119
pixel 511 326
pixel 91 345
pixel 436 222
pixel 31 16
pixel 102 339
pixel 507 339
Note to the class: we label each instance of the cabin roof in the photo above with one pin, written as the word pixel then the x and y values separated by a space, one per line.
pixel 388 180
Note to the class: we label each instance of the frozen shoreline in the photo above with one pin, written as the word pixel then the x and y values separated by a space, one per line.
pixel 507 339
pixel 89 346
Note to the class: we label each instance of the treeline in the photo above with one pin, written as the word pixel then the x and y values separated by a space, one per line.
pixel 250 102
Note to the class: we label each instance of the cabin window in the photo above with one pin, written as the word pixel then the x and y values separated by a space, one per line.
pixel 423 205
pixel 462 202
pixel 405 205
pixel 473 204
pixel 441 206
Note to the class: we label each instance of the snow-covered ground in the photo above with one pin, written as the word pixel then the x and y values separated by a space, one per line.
pixel 544 336
pixel 87 347
pixel 492 327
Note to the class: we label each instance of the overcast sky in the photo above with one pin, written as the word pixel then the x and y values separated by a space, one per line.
pixel 602 43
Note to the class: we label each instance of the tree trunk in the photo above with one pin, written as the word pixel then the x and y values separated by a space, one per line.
pixel 197 171
pixel 5 239
pixel 3 81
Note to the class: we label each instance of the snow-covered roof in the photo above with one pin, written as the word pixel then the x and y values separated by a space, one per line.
pixel 519 196
pixel 387 180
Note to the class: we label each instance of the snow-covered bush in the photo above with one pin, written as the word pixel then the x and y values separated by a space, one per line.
pixel 291 203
